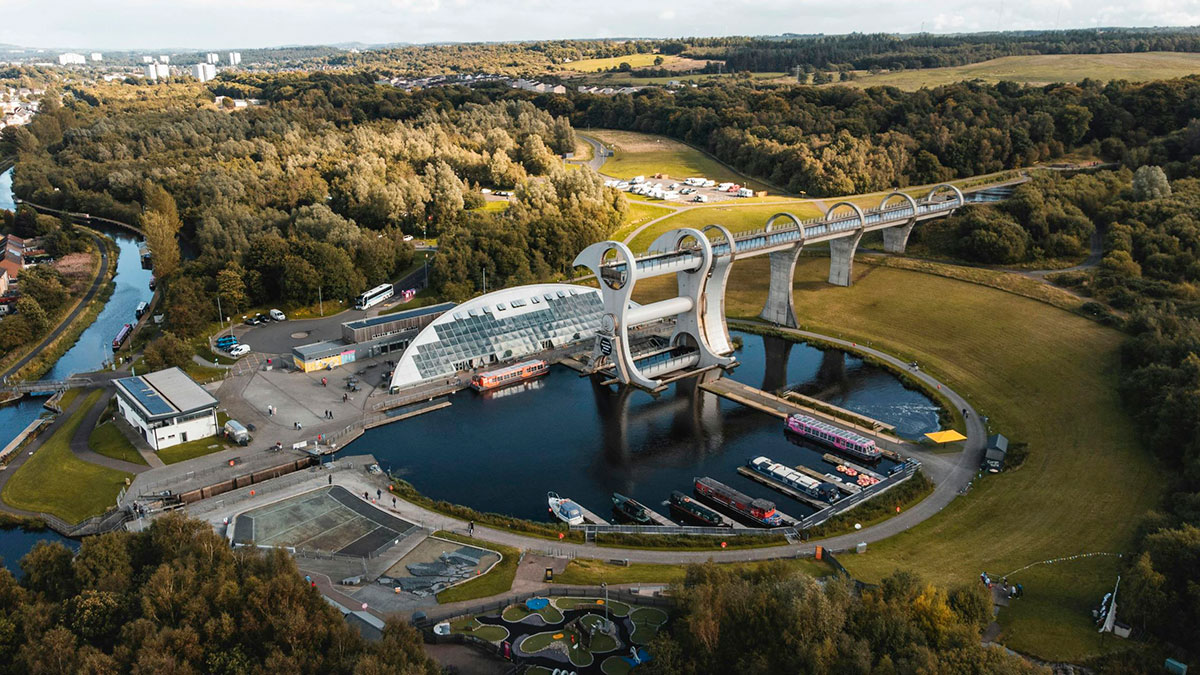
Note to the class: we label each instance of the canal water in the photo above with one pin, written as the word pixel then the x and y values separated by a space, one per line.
pixel 89 353
pixel 501 452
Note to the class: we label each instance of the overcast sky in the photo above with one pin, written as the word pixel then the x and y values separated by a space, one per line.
pixel 217 24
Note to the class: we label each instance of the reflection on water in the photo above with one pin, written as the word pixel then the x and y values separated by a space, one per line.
pixel 585 441
pixel 131 286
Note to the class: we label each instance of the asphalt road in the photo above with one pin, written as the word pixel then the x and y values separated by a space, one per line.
pixel 66 323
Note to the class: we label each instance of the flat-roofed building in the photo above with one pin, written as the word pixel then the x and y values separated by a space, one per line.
pixel 167 407
pixel 322 355
pixel 365 338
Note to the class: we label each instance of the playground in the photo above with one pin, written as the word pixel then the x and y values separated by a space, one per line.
pixel 329 519
pixel 573 633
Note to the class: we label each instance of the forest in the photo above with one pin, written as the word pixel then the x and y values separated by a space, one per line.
pixel 841 140
pixel 778 620
pixel 313 194
pixel 175 598
pixel 875 51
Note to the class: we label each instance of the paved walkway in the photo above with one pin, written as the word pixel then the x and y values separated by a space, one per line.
pixel 66 323
pixel 79 442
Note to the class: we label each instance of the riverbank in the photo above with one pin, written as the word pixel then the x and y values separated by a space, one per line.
pixel 33 362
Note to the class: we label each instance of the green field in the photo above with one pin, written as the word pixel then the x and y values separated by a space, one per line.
pixel 589 572
pixel 108 440
pixel 55 481
pixel 634 60
pixel 1044 69
pixel 637 154
pixel 638 214
pixel 192 449
pixel 1043 376
pixel 736 218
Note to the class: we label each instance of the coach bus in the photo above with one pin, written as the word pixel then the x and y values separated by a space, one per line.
pixel 374 296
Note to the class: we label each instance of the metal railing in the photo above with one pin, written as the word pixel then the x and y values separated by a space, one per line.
pixel 433 617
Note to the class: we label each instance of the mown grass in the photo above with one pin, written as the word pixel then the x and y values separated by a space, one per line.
pixel 736 218
pixel 638 214
pixel 588 572
pixel 1044 69
pixel 638 154
pixel 106 439
pixel 1043 376
pixel 498 580
pixel 634 60
pixel 197 448
pixel 57 482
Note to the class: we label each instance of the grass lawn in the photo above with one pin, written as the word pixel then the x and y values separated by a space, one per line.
pixel 197 448
pixel 615 607
pixel 646 623
pixel 494 206
pixel 589 572
pixel 54 481
pixel 499 580
pixel 540 641
pixel 68 398
pixel 615 665
pixel 1043 376
pixel 471 626
pixel 638 214
pixel 108 440
pixel 638 154
pixel 736 218
pixel 1045 69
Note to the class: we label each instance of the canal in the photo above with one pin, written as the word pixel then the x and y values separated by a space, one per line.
pixel 501 452
pixel 94 347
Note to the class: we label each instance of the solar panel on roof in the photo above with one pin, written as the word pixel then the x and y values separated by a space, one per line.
pixel 145 395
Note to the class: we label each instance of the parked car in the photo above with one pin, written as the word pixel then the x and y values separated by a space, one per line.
pixel 250 320
pixel 226 342
pixel 278 315
pixel 239 350
pixel 262 318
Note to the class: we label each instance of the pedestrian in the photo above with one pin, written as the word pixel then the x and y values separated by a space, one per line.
pixel 393 502
pixel 331 479
pixel 299 427
pixel 379 494
pixel 296 426
pixel 471 528
pixel 345 397
pixel 366 496
pixel 324 382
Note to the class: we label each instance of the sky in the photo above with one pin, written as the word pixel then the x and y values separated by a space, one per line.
pixel 223 24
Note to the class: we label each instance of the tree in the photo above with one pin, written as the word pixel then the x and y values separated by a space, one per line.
pixel 167 351
pixel 162 240
pixel 231 286
pixel 188 310
pixel 1149 182
pixel 34 315
pixel 446 189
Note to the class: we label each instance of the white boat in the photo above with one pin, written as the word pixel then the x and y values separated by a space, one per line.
pixel 564 509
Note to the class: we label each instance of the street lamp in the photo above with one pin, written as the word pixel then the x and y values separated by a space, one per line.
pixel 604 587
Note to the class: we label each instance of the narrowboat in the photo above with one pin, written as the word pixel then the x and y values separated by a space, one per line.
pixel 502 377
pixel 689 509
pixel 141 310
pixel 795 480
pixel 826 434
pixel 759 511
pixel 153 282
pixel 122 335
pixel 630 509
pixel 564 509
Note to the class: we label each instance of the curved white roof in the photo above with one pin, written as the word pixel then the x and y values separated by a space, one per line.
pixel 500 326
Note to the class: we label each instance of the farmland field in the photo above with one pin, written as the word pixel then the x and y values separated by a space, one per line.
pixel 1044 69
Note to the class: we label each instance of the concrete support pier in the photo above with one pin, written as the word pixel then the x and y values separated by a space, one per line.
pixel 779 308
pixel 841 258
pixel 895 239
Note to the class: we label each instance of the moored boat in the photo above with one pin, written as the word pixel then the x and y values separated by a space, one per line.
pixel 789 477
pixel 759 511
pixel 630 509
pixel 502 377
pixel 689 509
pixel 839 439
pixel 564 509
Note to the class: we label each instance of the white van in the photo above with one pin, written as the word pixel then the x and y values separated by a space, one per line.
pixel 239 350
pixel 277 315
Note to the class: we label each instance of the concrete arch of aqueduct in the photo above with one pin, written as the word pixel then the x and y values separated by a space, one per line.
pixel 702 266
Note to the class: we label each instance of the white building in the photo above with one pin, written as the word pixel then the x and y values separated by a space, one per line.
pixel 164 59
pixel 235 58
pixel 147 59
pixel 167 407
pixel 71 59
pixel 204 71
pixel 157 70
pixel 213 58
pixel 97 56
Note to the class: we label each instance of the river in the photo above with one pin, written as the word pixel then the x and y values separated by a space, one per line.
pixel 503 451
pixel 89 353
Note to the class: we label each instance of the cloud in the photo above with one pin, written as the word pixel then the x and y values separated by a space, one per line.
pixel 667 14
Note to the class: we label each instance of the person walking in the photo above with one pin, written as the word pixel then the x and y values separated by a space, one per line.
pixel 345 397
pixel 379 494
pixel 393 502
pixel 331 479
pixel 324 382
pixel 471 528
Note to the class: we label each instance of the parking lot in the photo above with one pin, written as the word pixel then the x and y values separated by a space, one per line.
pixel 683 191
